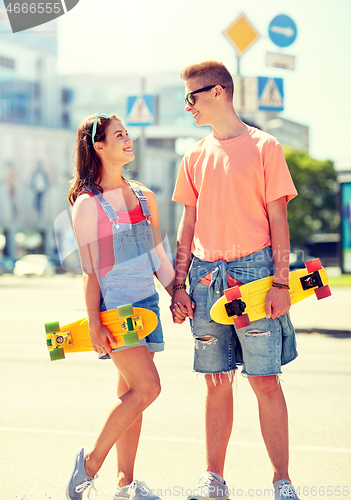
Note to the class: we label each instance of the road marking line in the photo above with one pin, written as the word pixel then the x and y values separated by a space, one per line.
pixel 172 440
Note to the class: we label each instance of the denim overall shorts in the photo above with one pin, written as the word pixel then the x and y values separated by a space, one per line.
pixel 131 280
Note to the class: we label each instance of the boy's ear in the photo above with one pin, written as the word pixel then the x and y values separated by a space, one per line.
pixel 218 91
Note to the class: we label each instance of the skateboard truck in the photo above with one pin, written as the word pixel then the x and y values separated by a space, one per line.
pixel 132 324
pixel 60 339
pixel 235 308
pixel 311 281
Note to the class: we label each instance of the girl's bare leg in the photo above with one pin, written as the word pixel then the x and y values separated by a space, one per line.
pixel 139 372
pixel 127 444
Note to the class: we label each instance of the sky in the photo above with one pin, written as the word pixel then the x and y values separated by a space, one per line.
pixel 150 36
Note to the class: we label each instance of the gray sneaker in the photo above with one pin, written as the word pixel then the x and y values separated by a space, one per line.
pixel 139 491
pixel 284 489
pixel 120 493
pixel 79 479
pixel 209 488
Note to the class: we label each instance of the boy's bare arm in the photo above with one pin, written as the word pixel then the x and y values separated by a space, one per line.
pixel 278 300
pixel 184 257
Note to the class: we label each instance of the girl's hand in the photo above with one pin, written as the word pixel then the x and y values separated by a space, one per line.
pixel 182 306
pixel 101 338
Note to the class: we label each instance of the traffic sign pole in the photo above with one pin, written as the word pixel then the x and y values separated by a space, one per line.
pixel 141 113
pixel 241 34
pixel 142 150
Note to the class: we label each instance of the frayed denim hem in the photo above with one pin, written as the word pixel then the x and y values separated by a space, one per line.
pixel 230 374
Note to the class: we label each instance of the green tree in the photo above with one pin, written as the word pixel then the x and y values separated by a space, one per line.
pixel 314 211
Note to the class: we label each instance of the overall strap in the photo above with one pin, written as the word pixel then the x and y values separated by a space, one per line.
pixel 105 205
pixel 142 199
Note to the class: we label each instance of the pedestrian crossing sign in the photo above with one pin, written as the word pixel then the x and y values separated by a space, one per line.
pixel 270 94
pixel 141 110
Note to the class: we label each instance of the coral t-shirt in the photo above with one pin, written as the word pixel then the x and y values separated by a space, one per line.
pixel 230 183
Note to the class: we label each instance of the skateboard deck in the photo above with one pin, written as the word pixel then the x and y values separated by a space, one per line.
pixel 128 325
pixel 242 304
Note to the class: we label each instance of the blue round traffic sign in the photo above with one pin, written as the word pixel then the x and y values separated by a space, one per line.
pixel 282 30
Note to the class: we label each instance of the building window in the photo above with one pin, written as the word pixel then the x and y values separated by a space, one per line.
pixel 7 63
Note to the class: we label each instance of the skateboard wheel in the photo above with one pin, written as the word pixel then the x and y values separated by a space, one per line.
pixel 242 321
pixel 323 292
pixel 56 354
pixel 232 293
pixel 313 265
pixel 52 327
pixel 126 310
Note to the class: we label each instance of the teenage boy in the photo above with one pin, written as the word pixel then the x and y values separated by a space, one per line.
pixel 235 185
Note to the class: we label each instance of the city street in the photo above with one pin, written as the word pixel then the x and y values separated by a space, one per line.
pixel 49 409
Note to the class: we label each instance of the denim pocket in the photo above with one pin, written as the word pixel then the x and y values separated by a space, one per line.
pixel 287 326
pixel 136 251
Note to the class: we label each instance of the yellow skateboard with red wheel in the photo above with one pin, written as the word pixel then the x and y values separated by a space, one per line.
pixel 242 304
pixel 127 324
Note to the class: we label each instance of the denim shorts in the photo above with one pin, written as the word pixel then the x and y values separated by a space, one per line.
pixel 260 343
pixel 154 341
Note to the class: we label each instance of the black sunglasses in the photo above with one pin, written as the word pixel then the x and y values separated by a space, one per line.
pixel 190 99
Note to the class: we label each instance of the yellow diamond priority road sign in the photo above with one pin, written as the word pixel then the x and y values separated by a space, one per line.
pixel 241 34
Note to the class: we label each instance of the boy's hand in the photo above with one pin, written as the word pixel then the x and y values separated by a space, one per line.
pixel 182 306
pixel 278 302
pixel 179 312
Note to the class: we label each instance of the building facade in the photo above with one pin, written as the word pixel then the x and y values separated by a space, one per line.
pixel 39 115
pixel 35 150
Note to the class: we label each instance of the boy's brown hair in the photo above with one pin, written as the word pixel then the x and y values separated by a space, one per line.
pixel 210 73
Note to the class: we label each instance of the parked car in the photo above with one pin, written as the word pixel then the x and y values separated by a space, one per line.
pixel 34 265
pixel 55 259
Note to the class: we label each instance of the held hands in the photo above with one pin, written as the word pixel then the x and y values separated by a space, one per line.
pixel 278 302
pixel 181 307
pixel 101 337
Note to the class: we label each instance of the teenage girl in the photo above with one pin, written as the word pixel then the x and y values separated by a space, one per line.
pixel 120 246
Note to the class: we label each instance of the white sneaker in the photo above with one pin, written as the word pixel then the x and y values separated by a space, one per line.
pixel 120 493
pixel 79 479
pixel 139 491
pixel 284 489
pixel 209 488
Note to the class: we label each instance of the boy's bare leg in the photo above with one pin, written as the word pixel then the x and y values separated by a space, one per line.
pixel 218 423
pixel 274 422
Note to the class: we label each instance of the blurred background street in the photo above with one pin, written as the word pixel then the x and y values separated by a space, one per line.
pixel 49 83
pixel 48 409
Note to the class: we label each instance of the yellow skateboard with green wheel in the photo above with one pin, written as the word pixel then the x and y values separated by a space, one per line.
pixel 242 304
pixel 127 324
